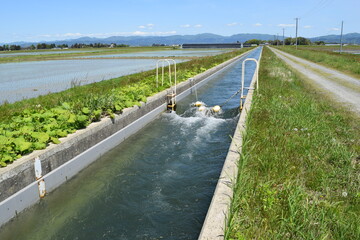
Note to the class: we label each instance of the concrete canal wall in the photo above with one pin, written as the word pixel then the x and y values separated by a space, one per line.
pixel 218 213
pixel 18 185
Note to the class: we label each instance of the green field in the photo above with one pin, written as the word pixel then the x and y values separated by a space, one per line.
pixel 331 48
pixel 300 164
pixel 325 55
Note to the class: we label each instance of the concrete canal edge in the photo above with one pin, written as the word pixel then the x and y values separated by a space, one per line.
pixel 19 188
pixel 218 213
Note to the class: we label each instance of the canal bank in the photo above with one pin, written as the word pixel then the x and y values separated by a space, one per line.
pixel 218 214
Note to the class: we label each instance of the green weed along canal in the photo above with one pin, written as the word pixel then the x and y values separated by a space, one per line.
pixel 157 184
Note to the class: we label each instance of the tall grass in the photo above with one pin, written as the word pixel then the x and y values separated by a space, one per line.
pixel 346 62
pixel 300 165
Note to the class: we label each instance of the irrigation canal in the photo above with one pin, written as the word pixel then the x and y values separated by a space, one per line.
pixel 157 184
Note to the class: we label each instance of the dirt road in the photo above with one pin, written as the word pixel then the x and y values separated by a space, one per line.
pixel 342 87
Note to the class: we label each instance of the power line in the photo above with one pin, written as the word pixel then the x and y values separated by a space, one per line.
pixel 320 5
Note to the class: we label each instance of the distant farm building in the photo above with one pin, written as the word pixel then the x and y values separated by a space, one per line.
pixel 211 45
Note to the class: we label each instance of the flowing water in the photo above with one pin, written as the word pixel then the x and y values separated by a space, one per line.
pixel 157 184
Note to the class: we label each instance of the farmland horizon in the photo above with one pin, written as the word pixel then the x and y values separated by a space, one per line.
pixel 190 38
pixel 47 22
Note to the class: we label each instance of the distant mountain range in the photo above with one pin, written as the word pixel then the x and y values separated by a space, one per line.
pixel 350 38
pixel 353 38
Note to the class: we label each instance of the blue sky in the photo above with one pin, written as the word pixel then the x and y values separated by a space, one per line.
pixel 41 20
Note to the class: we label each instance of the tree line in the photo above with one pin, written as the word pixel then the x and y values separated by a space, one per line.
pixel 97 45
pixel 62 46
pixel 287 41
pixel 10 47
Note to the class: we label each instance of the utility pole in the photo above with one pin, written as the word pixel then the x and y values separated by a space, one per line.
pixel 277 39
pixel 342 26
pixel 296 42
pixel 283 36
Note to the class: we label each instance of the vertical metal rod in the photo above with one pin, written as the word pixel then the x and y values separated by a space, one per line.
pixel 162 76
pixel 257 76
pixel 243 77
pixel 242 83
pixel 296 41
pixel 175 77
pixel 193 84
pixel 157 74
pixel 283 37
pixel 169 71
pixel 342 26
pixel 169 65
pixel 196 96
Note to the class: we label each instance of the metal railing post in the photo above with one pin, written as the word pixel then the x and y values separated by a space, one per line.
pixel 168 61
pixel 242 96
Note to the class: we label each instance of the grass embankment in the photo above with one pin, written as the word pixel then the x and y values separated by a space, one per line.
pixel 332 48
pixel 300 164
pixel 32 124
pixel 345 62
pixel 69 54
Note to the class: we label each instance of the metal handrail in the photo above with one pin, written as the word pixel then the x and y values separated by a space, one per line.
pixel 243 78
pixel 157 71
pixel 168 61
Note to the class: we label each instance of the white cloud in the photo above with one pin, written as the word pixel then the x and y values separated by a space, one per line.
pixel 286 25
pixel 45 35
pixel 147 26
pixel 189 26
pixel 307 26
pixel 72 35
pixel 232 24
pixel 257 24
pixel 335 29
pixel 139 33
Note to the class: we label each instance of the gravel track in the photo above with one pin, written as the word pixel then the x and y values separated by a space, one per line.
pixel 343 87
